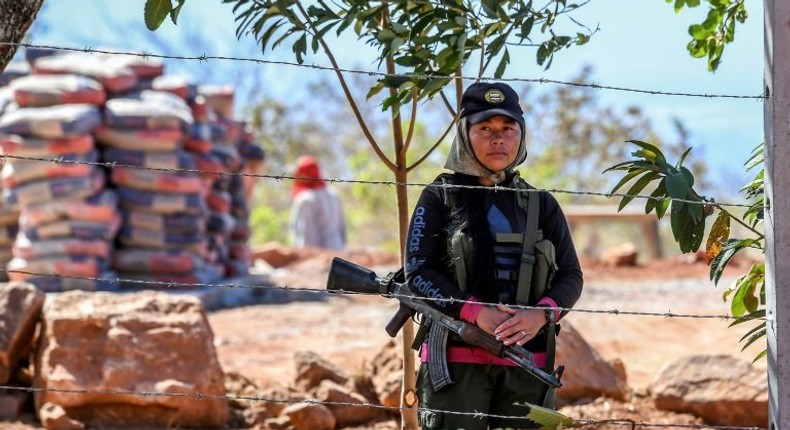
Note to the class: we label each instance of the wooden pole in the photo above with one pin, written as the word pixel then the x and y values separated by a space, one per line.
pixel 777 214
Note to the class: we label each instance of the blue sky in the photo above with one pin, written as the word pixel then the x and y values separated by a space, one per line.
pixel 640 44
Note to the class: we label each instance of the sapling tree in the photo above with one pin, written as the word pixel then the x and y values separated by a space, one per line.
pixel 423 47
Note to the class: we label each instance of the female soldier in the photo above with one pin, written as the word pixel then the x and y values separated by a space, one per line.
pixel 465 242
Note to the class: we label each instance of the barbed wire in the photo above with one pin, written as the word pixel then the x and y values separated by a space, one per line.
pixel 281 177
pixel 171 284
pixel 205 57
pixel 311 401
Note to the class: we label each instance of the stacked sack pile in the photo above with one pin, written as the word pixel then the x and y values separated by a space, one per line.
pixel 9 218
pixel 221 144
pixel 67 220
pixel 154 218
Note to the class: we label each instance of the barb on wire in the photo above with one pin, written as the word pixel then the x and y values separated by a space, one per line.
pixel 279 178
pixel 170 284
pixel 200 396
pixel 204 58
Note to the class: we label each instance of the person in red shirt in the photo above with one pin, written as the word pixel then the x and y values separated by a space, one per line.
pixel 317 218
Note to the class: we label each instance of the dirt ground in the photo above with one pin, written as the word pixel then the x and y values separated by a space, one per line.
pixel 259 341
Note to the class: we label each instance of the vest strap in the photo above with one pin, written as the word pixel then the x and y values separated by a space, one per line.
pixel 528 246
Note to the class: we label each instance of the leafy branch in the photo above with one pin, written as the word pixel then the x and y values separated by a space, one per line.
pixel 674 191
pixel 709 37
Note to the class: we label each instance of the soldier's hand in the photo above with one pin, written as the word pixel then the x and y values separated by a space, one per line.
pixel 520 326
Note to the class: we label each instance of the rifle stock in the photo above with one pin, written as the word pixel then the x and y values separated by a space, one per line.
pixel 345 276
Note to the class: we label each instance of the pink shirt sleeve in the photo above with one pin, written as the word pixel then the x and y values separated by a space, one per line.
pixel 549 303
pixel 470 311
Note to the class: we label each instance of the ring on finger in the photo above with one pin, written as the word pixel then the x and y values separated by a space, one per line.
pixel 523 333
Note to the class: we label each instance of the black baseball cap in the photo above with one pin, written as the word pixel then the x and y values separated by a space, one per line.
pixel 483 100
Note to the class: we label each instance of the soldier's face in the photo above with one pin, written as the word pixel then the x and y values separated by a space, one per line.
pixel 495 142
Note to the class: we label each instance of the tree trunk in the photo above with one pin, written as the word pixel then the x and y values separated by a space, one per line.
pixel 16 16
pixel 409 417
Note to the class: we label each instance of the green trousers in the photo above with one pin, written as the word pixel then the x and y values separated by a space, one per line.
pixel 479 389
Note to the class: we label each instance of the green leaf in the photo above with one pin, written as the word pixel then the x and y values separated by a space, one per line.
pixel 543 53
pixel 407 60
pixel 548 418
pixel 688 176
pixel 619 166
pixel 266 36
pixel 369 13
pixel 394 81
pixel 375 89
pixel 300 48
pixel 638 186
pixel 757 336
pixel 683 157
pixel 685 229
pixel 526 27
pixel 729 249
pixel 744 299
pixel 698 32
pixel 659 193
pixel 677 188
pixel 155 12
pixel 500 70
pixel 651 148
pixel 177 10
pixel 435 84
pixel 745 288
pixel 644 153
pixel 749 317
pixel 628 176
pixel 385 36
pixel 696 234
pixel 661 208
pixel 757 157
pixel 762 354
pixel 752 331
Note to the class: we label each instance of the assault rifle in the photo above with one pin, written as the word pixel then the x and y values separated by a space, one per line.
pixel 345 276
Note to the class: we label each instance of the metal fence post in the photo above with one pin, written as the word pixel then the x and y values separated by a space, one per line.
pixel 777 217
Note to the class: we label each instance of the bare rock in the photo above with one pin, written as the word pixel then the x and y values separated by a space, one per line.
pixel 12 405
pixel 636 410
pixel 587 374
pixel 342 404
pixel 622 255
pixel 307 416
pixel 278 256
pixel 20 312
pixel 720 389
pixel 386 373
pixel 279 423
pixel 54 417
pixel 144 342
pixel 311 369
pixel 273 402
pixel 316 259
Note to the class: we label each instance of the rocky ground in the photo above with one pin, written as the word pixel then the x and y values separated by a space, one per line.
pixel 259 341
